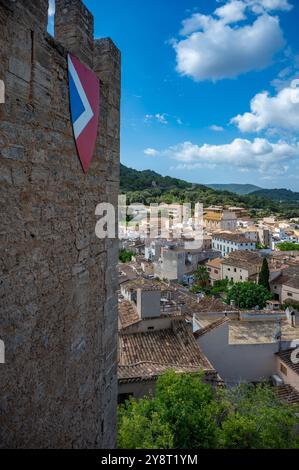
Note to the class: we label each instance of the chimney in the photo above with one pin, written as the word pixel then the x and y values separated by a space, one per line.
pixel 74 29
pixel 148 303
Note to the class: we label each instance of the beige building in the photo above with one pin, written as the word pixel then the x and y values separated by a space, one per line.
pixel 153 338
pixel 285 286
pixel 217 218
pixel 241 266
pixel 243 348
pixel 214 270
pixel 287 368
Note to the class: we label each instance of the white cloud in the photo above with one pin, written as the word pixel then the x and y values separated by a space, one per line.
pixel 278 112
pixel 213 49
pixel 151 152
pixel 232 12
pixel 269 5
pixel 241 154
pixel 51 11
pixel 161 118
pixel 216 128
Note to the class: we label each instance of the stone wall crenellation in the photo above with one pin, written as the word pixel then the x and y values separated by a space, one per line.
pixel 58 282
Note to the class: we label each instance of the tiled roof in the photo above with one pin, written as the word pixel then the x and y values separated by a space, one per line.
pixel 287 394
pixel 142 283
pixel 211 327
pixel 150 370
pixel 173 348
pixel 289 277
pixel 243 259
pixel 260 332
pixel 214 263
pixel 127 314
pixel 232 237
pixel 285 357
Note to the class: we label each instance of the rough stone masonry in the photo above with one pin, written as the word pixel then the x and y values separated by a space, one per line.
pixel 58 318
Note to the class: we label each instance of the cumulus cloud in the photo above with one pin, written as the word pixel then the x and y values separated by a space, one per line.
pixel 232 12
pixel 241 154
pixel 151 152
pixel 219 46
pixel 269 5
pixel 272 112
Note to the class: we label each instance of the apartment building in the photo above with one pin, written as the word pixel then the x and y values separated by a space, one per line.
pixel 241 266
pixel 228 242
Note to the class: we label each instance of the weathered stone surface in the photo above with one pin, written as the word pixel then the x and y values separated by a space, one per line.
pixel 58 304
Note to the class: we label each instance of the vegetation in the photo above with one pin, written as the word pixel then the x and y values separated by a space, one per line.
pixel 288 246
pixel 220 287
pixel 125 256
pixel 202 277
pixel 148 187
pixel 236 188
pixel 248 295
pixel 264 277
pixel 187 413
pixel 279 195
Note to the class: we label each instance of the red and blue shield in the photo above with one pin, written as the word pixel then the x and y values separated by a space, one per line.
pixel 84 89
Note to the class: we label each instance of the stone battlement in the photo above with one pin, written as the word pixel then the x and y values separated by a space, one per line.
pixel 58 281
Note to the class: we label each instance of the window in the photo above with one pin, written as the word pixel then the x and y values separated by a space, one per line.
pixel 283 369
pixel 290 294
pixel 235 270
pixel 150 328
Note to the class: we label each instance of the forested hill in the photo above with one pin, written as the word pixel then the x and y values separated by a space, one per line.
pixel 284 195
pixel 149 187
pixel 236 188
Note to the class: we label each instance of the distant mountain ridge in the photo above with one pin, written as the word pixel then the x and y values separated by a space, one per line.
pixel 241 189
pixel 280 195
pixel 148 187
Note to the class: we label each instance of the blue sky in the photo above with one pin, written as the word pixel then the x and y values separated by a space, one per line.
pixel 208 87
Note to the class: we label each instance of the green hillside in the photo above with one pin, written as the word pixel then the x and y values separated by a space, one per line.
pixel 284 195
pixel 235 188
pixel 148 187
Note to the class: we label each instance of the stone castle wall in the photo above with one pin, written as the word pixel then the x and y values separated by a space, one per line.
pixel 58 282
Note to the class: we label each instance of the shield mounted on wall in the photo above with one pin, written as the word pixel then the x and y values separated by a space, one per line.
pixel 84 88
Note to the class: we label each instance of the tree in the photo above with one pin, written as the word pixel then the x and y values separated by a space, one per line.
pixel 248 295
pixel 288 246
pixel 202 277
pixel 125 256
pixel 264 276
pixel 256 419
pixel 187 413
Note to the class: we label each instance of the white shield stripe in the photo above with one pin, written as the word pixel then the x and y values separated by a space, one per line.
pixel 88 114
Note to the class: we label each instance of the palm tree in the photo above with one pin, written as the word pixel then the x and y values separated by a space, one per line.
pixel 202 277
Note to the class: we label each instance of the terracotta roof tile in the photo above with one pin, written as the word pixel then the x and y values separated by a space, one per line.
pixel 173 347
pixel 285 356
pixel 287 394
